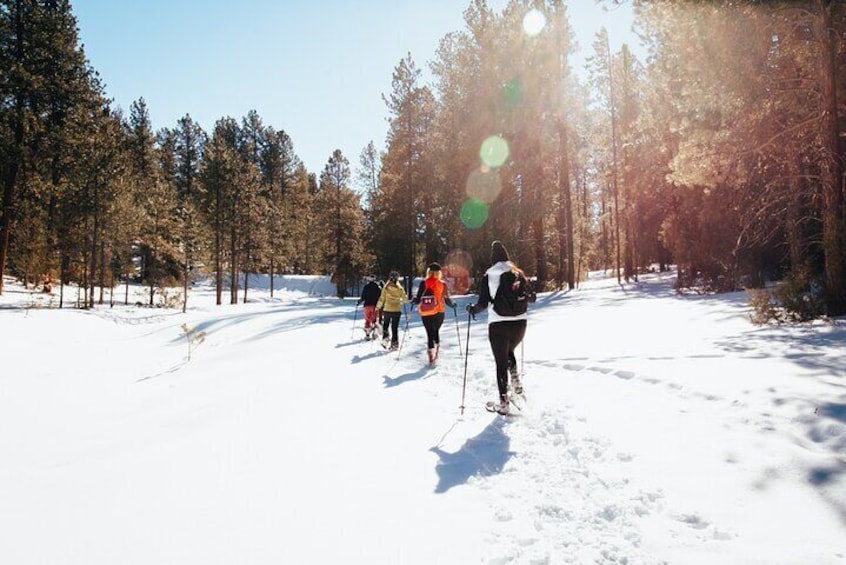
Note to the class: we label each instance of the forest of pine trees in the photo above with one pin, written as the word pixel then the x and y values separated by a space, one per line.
pixel 719 150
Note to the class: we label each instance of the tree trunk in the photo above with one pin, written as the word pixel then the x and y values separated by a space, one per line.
pixel 15 155
pixel 233 266
pixel 540 255
pixel 150 270
pixel 218 250
pixel 614 170
pixel 185 277
pixel 102 272
pixel 832 170
pixel 566 233
pixel 246 281
pixel 272 266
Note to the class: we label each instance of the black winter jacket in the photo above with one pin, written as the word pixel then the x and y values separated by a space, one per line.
pixel 370 294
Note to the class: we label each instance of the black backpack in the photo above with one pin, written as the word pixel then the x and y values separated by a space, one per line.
pixel 513 295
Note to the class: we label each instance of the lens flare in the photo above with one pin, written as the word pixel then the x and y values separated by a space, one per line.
pixel 474 213
pixel 533 22
pixel 456 271
pixel 512 92
pixel 484 184
pixel 494 151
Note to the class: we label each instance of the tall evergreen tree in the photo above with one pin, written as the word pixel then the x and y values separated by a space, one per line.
pixel 279 166
pixel 43 84
pixel 339 210
pixel 189 140
pixel 367 176
pixel 219 175
pixel 156 198
pixel 405 177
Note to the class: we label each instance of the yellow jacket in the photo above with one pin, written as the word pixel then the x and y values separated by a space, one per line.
pixel 392 298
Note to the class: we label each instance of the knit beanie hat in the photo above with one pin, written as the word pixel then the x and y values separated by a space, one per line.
pixel 498 252
pixel 433 267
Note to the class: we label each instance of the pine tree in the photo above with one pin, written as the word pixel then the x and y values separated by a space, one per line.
pixel 156 198
pixel 338 208
pixel 44 80
pixel 219 175
pixel 406 173
pixel 367 176
pixel 279 165
pixel 254 206
pixel 189 140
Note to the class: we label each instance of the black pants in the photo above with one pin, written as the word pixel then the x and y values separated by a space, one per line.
pixel 391 319
pixel 504 338
pixel 433 325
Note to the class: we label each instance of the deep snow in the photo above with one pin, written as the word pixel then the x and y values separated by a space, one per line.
pixel 659 428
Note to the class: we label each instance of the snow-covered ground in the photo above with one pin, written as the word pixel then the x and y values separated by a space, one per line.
pixel 659 429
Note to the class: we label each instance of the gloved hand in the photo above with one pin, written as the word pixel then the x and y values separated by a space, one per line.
pixel 414 301
pixel 358 302
pixel 471 309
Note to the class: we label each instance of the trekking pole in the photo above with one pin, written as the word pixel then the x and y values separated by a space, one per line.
pixel 522 355
pixel 404 332
pixel 355 315
pixel 466 355
pixel 457 331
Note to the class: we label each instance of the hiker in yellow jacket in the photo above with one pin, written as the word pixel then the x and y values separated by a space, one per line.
pixel 390 303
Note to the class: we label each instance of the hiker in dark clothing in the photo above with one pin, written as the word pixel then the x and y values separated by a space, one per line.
pixel 369 297
pixel 504 332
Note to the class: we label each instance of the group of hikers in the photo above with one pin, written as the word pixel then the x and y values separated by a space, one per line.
pixel 501 290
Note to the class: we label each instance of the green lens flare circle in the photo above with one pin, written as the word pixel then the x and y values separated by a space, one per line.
pixel 474 213
pixel 512 92
pixel 494 151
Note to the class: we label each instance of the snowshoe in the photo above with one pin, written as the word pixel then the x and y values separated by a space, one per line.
pixel 500 408
pixel 504 406
pixel 432 356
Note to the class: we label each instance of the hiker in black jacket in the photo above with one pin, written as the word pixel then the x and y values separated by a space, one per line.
pixel 369 297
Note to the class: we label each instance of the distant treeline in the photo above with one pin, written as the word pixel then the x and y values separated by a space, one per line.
pixel 720 150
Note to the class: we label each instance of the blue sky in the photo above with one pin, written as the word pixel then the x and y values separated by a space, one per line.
pixel 316 69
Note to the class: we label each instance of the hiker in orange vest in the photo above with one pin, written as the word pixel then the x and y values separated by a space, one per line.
pixel 432 295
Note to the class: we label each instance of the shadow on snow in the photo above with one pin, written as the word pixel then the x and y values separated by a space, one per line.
pixel 407 377
pixel 484 455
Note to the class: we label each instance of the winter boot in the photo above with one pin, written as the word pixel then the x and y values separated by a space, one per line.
pixel 437 350
pixel 386 342
pixel 432 355
pixel 503 405
pixel 516 384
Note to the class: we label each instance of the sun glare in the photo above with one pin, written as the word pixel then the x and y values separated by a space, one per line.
pixel 483 184
pixel 533 22
pixel 474 213
pixel 457 271
pixel 494 151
